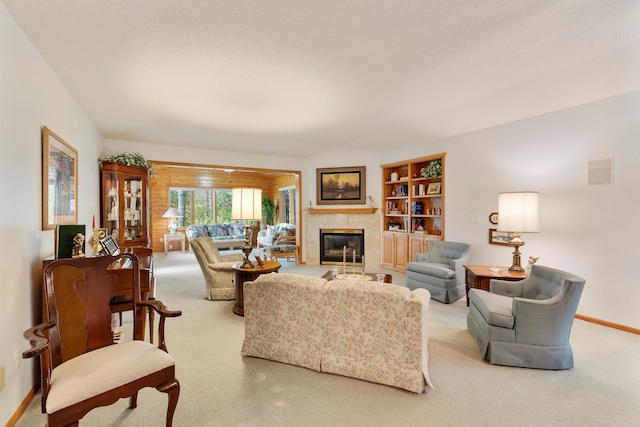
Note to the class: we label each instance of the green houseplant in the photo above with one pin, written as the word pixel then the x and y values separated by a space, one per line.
pixel 135 159
pixel 268 209
pixel 432 170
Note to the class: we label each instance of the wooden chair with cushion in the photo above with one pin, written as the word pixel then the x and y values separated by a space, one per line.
pixel 81 366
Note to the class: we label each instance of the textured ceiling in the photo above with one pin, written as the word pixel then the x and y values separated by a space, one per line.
pixel 303 77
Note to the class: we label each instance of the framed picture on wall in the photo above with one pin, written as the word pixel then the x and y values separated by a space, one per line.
pixel 59 181
pixel 341 186
pixel 499 237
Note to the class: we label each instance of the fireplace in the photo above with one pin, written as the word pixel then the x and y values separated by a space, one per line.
pixel 333 242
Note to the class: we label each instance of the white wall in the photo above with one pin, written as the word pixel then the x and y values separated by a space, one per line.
pixel 343 158
pixel 589 231
pixel 171 153
pixel 31 97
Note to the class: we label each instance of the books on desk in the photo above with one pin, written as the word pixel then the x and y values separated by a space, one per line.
pixel 65 245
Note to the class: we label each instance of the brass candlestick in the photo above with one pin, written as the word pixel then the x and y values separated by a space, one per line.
pixel 94 240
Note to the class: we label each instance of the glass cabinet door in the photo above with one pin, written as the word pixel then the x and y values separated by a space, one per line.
pixel 112 205
pixel 124 203
pixel 133 208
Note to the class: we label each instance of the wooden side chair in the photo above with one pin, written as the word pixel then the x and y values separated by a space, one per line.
pixel 81 366
pixel 124 302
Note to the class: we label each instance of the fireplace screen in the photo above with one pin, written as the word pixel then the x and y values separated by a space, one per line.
pixel 333 243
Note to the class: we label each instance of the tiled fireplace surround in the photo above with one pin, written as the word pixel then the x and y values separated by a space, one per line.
pixel 369 222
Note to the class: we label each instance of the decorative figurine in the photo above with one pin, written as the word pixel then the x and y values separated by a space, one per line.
pixel 78 241
pixel 532 260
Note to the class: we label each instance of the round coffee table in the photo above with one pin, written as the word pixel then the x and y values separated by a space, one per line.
pixel 248 275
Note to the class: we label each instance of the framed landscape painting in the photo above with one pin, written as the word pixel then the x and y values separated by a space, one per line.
pixel 499 237
pixel 340 186
pixel 59 181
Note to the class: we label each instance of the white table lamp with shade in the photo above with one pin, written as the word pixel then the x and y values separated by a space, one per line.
pixel 246 205
pixel 174 214
pixel 518 213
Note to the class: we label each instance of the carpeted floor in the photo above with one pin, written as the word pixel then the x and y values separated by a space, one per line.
pixel 221 388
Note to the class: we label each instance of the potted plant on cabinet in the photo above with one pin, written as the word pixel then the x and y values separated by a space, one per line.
pixel 135 159
pixel 393 226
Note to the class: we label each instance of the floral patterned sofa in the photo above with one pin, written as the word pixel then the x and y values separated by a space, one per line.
pixel 278 241
pixel 368 330
pixel 228 235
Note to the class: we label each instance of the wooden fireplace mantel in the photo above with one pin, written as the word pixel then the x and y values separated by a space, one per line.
pixel 343 211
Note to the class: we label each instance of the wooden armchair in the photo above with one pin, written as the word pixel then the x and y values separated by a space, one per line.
pixel 81 367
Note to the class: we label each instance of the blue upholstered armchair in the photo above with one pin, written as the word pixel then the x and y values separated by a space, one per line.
pixel 440 270
pixel 526 323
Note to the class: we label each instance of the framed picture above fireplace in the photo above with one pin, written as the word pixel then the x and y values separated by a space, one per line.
pixel 341 186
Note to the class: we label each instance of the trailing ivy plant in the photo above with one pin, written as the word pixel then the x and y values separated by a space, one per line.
pixel 432 170
pixel 135 159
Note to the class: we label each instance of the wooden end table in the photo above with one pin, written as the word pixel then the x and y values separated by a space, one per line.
pixel 248 275
pixel 479 276
pixel 177 237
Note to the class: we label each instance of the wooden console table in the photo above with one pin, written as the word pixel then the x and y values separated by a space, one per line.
pixel 479 276
pixel 248 275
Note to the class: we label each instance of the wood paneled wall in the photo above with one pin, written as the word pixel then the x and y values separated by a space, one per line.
pixel 202 176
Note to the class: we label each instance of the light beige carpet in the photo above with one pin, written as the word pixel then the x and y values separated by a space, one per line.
pixel 221 388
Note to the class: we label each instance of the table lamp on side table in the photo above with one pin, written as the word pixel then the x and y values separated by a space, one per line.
pixel 518 213
pixel 246 205
pixel 172 213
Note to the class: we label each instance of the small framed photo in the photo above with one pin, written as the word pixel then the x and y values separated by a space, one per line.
pixel 259 261
pixel 499 237
pixel 434 188
pixel 109 246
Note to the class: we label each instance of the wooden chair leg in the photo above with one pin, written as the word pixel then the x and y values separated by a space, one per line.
pixel 173 391
pixel 120 313
pixel 151 319
pixel 133 401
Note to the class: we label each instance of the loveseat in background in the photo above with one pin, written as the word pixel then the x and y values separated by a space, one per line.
pixel 228 235
pixel 278 241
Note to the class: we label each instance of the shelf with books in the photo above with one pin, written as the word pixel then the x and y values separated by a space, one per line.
pixel 416 203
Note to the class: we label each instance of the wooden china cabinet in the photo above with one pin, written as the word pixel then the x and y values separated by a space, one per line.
pixel 124 203
pixel 413 210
